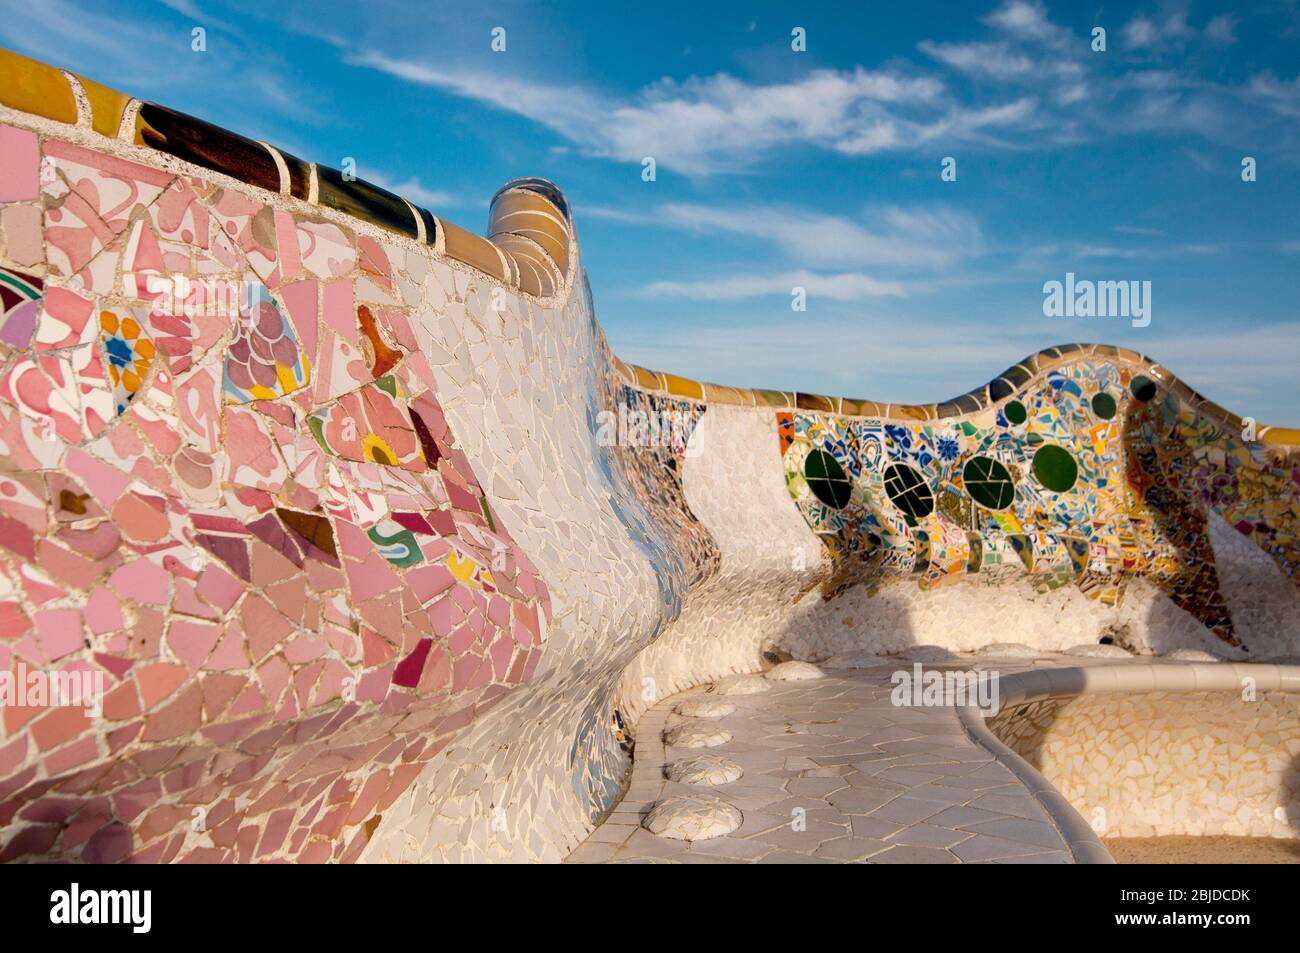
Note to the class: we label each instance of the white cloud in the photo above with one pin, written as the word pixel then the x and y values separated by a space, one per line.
pixel 1052 91
pixel 413 190
pixel 992 60
pixel 923 237
pixel 1222 29
pixel 1279 95
pixel 1140 32
pixel 1139 230
pixel 1027 21
pixel 843 286
pixel 153 59
pixel 1149 32
pixel 704 125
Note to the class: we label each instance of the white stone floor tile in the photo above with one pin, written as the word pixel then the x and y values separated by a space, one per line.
pixel 835 773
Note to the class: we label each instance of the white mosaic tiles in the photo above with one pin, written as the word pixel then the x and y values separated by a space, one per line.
pixel 705 770
pixel 1161 763
pixel 692 817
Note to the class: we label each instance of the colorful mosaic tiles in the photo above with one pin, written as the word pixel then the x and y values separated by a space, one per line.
pixel 242 508
pixel 1090 475
pixel 311 481
pixel 129 355
pixel 528 244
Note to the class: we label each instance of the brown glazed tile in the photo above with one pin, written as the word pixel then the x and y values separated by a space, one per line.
pixel 531 258
pixel 208 146
pixel 736 396
pixel 530 215
pixel 912 411
pixel 548 190
pixel 473 250
pixel 365 201
pixel 814 402
pixel 1280 437
pixel 529 276
pixel 775 398
pixel 864 408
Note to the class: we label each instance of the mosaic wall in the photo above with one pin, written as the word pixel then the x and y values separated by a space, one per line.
pixel 1151 764
pixel 230 490
pixel 379 551
pixel 1088 476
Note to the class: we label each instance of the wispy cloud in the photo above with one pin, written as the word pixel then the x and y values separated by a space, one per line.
pixel 413 190
pixel 845 286
pixel 920 237
pixel 148 55
pixel 1050 89
pixel 1028 20
pixel 1279 95
pixel 704 125
pixel 1139 230
pixel 1222 29
pixel 1144 32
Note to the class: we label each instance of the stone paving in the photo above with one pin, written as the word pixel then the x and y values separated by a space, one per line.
pixel 833 773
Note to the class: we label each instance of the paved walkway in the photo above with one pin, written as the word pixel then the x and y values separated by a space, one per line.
pixel 834 773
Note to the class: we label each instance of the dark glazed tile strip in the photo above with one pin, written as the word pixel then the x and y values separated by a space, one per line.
pixel 359 198
pixel 214 148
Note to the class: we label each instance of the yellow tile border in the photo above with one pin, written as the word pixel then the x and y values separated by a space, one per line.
pixel 38 89
pixel 978 400
pixel 33 87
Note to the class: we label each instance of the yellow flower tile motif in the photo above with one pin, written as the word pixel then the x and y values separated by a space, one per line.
pixel 129 355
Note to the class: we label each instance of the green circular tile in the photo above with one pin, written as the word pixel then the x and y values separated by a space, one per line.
pixel 1103 405
pixel 1143 388
pixel 1016 412
pixel 908 490
pixel 827 479
pixel 988 483
pixel 1054 468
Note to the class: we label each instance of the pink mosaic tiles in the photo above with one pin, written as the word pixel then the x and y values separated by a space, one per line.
pixel 228 491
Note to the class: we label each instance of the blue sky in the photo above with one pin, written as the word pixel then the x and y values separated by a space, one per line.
pixel 819 169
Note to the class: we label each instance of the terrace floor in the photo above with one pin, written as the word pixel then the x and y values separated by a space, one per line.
pixel 875 782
